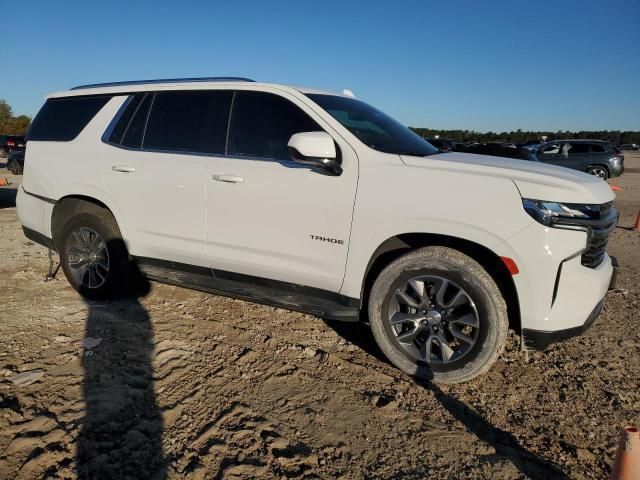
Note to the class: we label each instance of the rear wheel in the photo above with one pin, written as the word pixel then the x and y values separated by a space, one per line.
pixel 437 314
pixel 93 255
pixel 598 171
pixel 14 167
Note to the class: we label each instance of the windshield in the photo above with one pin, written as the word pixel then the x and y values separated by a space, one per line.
pixel 372 127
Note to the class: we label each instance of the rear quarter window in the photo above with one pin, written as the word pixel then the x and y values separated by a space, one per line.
pixel 62 119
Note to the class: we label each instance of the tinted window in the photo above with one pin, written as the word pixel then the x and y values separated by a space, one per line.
pixel 62 119
pixel 262 124
pixel 125 118
pixel 134 131
pixel 597 148
pixel 550 149
pixel 578 148
pixel 373 127
pixel 194 121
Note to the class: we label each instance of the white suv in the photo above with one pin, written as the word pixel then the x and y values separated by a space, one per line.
pixel 316 202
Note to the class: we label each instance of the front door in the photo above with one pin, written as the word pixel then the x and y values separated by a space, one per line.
pixel 268 216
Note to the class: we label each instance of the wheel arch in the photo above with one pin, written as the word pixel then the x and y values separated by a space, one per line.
pixel 70 205
pixel 398 245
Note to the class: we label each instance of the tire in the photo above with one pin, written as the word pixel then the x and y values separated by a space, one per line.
pixel 479 313
pixel 15 168
pixel 598 171
pixel 97 226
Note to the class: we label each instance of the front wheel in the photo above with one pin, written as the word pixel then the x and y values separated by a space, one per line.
pixel 437 314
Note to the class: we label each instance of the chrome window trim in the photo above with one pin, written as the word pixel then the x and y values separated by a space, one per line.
pixel 210 155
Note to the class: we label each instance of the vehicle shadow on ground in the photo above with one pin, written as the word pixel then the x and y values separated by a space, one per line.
pixel 504 443
pixel 121 435
pixel 8 196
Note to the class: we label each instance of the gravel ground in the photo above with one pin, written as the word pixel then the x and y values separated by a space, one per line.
pixel 188 385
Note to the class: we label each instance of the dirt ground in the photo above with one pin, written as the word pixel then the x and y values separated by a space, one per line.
pixel 189 385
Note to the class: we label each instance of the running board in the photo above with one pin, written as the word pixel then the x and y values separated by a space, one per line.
pixel 207 280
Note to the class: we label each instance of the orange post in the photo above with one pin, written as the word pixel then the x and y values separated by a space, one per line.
pixel 636 227
pixel 626 466
pixel 4 181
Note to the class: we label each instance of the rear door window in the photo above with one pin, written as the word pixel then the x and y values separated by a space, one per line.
pixel 62 119
pixel 191 121
pixel 125 119
pixel 261 125
pixel 578 148
pixel 597 148
pixel 134 132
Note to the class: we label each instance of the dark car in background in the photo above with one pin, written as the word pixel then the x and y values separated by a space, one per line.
pixel 10 143
pixel 596 157
pixel 15 162
pixel 442 144
pixel 497 149
pixel 629 146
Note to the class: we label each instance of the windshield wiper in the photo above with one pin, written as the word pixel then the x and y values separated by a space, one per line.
pixel 419 154
pixel 414 153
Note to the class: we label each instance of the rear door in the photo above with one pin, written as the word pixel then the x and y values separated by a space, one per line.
pixel 577 155
pixel 268 216
pixel 155 169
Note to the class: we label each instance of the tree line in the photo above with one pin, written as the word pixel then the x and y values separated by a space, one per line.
pixel 519 136
pixel 11 124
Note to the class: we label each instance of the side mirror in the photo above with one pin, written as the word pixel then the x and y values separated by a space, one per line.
pixel 316 149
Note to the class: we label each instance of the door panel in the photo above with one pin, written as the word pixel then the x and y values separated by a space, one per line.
pixel 162 202
pixel 274 218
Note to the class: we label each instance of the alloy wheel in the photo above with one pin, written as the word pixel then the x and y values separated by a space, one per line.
pixel 433 319
pixel 87 257
pixel 598 172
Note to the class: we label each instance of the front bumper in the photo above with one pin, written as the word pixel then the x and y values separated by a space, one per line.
pixel 541 339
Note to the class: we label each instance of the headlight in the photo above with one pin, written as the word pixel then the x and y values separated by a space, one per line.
pixel 552 213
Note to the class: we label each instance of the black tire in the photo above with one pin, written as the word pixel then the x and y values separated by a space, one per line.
pixel 14 167
pixel 100 221
pixel 483 294
pixel 599 171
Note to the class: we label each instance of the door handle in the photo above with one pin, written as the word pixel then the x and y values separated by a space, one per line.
pixel 228 178
pixel 123 168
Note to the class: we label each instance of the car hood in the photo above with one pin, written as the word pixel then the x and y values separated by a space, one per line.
pixel 534 179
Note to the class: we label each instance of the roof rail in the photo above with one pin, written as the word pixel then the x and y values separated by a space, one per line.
pixel 164 80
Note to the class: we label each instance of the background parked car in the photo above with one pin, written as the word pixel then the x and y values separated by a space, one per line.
pixel 596 157
pixel 9 143
pixel 498 149
pixel 629 146
pixel 15 162
pixel 442 144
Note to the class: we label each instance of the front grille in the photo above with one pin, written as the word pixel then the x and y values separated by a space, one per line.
pixel 603 220
pixel 594 254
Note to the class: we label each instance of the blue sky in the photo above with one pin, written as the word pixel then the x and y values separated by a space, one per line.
pixel 478 65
